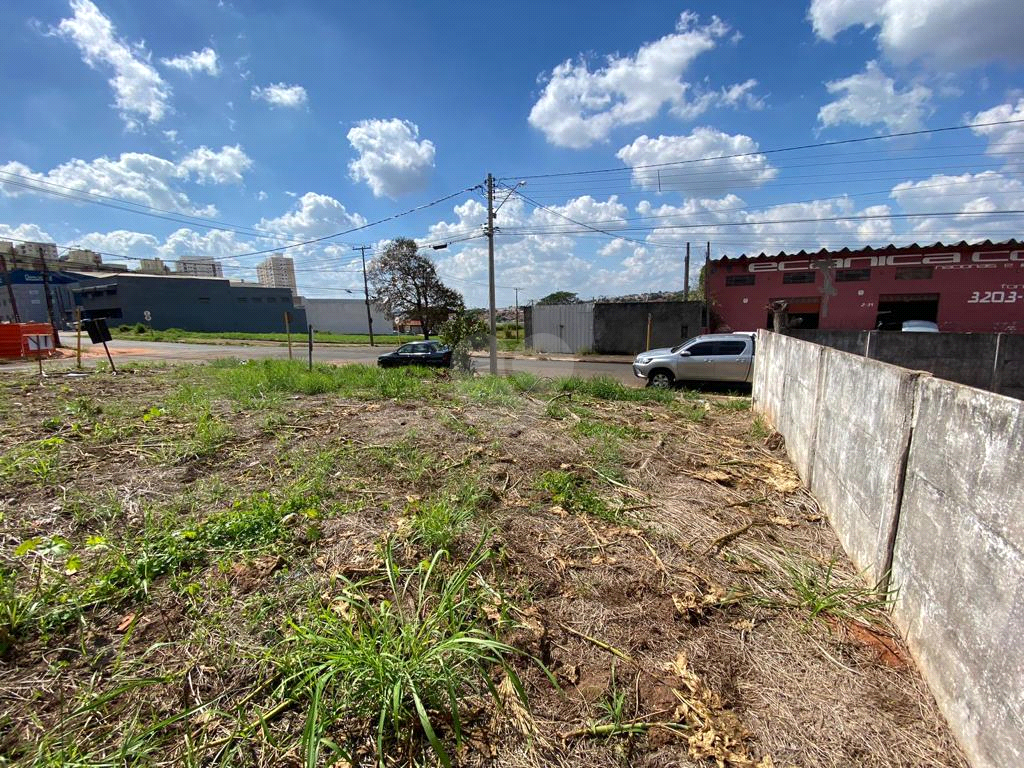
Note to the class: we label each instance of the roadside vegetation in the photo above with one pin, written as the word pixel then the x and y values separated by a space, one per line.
pixel 141 332
pixel 251 563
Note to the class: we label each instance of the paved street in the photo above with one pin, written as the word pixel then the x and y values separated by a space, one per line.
pixel 155 351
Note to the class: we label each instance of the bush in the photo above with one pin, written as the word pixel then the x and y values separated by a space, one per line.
pixel 141 328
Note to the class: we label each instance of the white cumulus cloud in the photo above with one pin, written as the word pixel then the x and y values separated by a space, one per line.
pixel 871 98
pixel 580 106
pixel 139 91
pixel 134 176
pixel 31 232
pixel 1004 141
pixel 212 167
pixel 314 215
pixel 392 159
pixel 204 61
pixel 700 173
pixel 281 95
pixel 952 32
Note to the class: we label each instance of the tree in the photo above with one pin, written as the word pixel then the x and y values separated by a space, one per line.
pixel 462 332
pixel 560 297
pixel 405 283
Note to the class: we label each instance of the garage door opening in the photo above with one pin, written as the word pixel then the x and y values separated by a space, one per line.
pixel 803 312
pixel 895 309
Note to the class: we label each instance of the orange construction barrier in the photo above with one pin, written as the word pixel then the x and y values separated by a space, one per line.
pixel 20 340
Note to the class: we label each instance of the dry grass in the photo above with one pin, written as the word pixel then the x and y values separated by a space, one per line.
pixel 654 558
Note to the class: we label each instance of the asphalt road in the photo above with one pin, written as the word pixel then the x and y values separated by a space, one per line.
pixel 156 351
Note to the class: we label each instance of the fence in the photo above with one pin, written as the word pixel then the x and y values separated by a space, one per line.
pixel 920 478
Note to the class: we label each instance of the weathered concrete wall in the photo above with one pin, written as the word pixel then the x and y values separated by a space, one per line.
pixel 1008 375
pixel 959 563
pixel 975 359
pixel 620 328
pixel 865 413
pixel 922 476
pixel 346 316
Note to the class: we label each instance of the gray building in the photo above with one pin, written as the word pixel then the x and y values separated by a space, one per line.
pixel 611 328
pixel 190 303
pixel 345 316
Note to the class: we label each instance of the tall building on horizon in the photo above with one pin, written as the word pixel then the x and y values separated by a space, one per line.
pixel 277 271
pixel 200 266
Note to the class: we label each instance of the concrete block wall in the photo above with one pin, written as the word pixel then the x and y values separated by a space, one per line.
pixel 921 479
pixel 959 563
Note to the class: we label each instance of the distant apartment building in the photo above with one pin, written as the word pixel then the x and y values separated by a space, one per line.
pixel 153 266
pixel 199 266
pixel 82 258
pixel 277 271
pixel 46 251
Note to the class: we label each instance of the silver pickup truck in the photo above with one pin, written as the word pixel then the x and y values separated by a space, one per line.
pixel 712 357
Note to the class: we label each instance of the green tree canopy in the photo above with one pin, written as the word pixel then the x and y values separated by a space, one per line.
pixel 560 297
pixel 405 283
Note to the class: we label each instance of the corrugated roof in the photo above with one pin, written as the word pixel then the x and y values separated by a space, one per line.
pixel 866 250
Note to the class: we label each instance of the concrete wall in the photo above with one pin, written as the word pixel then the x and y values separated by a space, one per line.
pixel 345 316
pixel 565 328
pixel 986 360
pixel 620 328
pixel 921 479
pixel 959 563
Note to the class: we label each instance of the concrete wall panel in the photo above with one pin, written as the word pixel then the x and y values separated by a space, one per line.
pixel 346 316
pixel 620 328
pixel 865 415
pixel 959 564
pixel 799 403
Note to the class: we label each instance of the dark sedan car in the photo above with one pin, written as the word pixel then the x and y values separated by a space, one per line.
pixel 429 353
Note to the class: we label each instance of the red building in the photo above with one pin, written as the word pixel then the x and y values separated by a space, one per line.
pixel 964 288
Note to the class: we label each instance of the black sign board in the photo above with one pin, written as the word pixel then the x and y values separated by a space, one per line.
pixel 97 330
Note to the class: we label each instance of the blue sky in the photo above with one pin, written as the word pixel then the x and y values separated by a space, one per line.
pixel 243 126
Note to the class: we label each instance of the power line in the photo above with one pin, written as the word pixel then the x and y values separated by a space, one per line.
pixel 778 150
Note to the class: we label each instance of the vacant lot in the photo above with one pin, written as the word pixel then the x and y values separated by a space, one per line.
pixel 249 564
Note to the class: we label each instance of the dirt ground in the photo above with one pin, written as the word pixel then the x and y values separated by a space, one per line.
pixel 658 559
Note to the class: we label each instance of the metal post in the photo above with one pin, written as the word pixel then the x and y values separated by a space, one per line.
pixel 517 314
pixel 288 332
pixel 366 291
pixel 686 275
pixel 78 345
pixel 309 328
pixel 490 274
pixel 49 302
pixel 106 349
pixel 10 289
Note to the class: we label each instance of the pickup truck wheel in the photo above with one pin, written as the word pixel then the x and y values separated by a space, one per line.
pixel 659 379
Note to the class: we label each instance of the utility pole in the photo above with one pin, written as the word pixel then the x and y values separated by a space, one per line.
pixel 686 275
pixel 49 302
pixel 10 288
pixel 490 273
pixel 366 290
pixel 707 281
pixel 517 313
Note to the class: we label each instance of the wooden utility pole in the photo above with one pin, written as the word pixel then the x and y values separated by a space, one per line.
pixel 490 274
pixel 288 332
pixel 366 291
pixel 49 302
pixel 10 289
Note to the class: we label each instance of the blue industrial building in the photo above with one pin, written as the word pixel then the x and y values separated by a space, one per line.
pixel 189 303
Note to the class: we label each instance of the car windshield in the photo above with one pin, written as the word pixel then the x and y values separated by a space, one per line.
pixel 676 349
